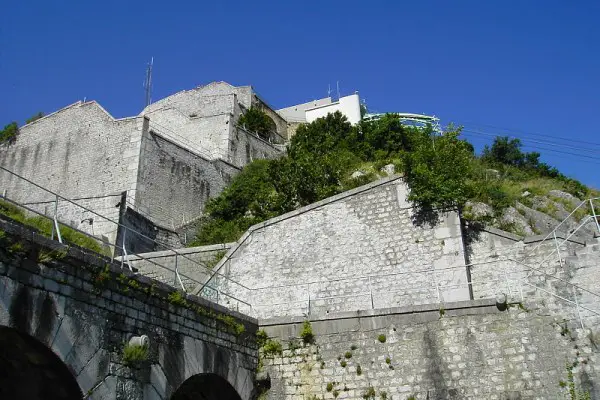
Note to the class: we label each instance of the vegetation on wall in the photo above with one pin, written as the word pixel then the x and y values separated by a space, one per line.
pixel 323 158
pixel 44 226
pixel 257 121
pixel 10 131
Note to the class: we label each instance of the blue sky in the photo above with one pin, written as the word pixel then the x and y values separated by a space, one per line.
pixel 530 66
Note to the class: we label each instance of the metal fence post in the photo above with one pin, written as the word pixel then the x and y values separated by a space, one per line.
pixel 594 215
pixel 55 226
pixel 557 249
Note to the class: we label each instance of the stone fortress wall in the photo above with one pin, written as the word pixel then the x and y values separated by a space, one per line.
pixel 367 249
pixel 173 157
pixel 471 350
pixel 80 152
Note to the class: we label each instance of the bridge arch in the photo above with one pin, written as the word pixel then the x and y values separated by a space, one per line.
pixel 206 387
pixel 30 370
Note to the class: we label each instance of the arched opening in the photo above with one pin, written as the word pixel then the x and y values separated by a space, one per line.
pixel 205 387
pixel 30 370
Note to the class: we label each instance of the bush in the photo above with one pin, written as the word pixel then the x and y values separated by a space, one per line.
pixel 133 354
pixel 307 333
pixel 257 121
pixel 9 133
pixel 272 347
pixel 381 338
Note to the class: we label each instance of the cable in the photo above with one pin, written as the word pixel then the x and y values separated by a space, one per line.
pixel 525 133
pixel 538 141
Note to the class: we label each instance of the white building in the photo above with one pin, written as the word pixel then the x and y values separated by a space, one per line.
pixel 308 112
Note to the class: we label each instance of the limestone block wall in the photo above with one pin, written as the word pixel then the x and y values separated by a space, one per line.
pixel 174 183
pixel 102 222
pixel 194 264
pixel 471 351
pixel 530 268
pixel 81 152
pixel 359 250
pixel 208 135
pixel 83 312
pixel 245 147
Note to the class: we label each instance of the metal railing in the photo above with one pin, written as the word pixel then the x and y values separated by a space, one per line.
pixel 55 217
pixel 442 281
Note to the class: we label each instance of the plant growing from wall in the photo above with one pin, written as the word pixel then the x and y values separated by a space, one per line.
pixel 369 394
pixel 134 354
pixel 307 334
pixel 34 118
pixel 572 392
pixel 381 338
pixel 272 348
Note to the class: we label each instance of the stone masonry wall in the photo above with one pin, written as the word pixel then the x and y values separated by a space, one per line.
pixel 530 268
pixel 84 310
pixel 470 351
pixel 245 147
pixel 194 264
pixel 174 183
pixel 80 152
pixel 359 250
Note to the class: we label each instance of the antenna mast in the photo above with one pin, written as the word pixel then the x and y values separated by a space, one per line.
pixel 148 83
pixel 338 89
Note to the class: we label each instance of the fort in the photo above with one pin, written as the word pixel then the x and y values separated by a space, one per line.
pixel 356 296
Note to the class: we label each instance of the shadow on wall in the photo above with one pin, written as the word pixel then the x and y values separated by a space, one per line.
pixel 205 386
pixel 29 370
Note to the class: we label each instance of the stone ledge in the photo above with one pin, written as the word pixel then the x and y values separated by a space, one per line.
pixel 559 235
pixel 182 251
pixel 457 308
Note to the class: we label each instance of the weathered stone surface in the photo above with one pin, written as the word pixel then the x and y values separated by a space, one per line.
pixel 362 249
pixel 87 327
pixel 471 351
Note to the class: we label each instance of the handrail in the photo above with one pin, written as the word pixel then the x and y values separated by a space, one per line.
pixel 123 258
pixel 163 245
pixel 590 200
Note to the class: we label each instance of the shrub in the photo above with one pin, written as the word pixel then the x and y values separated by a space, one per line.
pixel 330 386
pixel 133 354
pixel 307 334
pixel 257 121
pixel 348 354
pixel 261 337
pixel 381 338
pixel 272 347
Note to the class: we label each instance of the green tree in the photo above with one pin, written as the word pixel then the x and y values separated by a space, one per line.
pixel 438 170
pixel 9 132
pixel 257 121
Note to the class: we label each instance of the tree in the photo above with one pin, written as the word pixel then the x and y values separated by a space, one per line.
pixel 9 132
pixel 438 170
pixel 34 118
pixel 257 121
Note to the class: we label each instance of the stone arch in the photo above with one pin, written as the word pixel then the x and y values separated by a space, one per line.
pixel 206 387
pixel 183 359
pixel 30 370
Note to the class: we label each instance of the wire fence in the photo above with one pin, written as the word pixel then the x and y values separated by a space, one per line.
pixel 108 234
pixel 515 278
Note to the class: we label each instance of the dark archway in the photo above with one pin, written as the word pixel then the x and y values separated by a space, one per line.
pixel 30 370
pixel 205 387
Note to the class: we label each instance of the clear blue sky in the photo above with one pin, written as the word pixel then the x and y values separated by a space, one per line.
pixel 531 66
